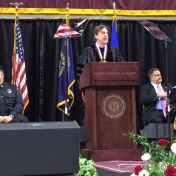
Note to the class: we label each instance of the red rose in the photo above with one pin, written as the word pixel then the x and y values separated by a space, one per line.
pixel 137 169
pixel 163 142
pixel 170 171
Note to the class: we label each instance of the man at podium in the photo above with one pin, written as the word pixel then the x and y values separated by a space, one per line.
pixel 154 98
pixel 101 51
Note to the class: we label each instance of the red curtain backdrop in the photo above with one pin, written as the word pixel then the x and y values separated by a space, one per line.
pixel 98 4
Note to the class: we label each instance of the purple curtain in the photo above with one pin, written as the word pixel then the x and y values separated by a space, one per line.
pixel 98 4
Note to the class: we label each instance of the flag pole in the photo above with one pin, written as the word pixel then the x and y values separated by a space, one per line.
pixel 16 5
pixel 15 60
pixel 114 33
pixel 114 10
pixel 66 67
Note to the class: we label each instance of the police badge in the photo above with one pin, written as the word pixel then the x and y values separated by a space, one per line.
pixel 9 91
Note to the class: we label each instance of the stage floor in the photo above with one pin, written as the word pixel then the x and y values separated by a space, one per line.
pixel 103 172
pixel 117 168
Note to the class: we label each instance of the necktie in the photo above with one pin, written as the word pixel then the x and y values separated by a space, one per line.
pixel 163 101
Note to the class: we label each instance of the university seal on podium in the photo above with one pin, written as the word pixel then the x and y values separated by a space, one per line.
pixel 113 106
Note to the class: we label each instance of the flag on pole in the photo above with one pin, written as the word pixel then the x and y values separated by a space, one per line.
pixel 63 80
pixel 66 66
pixel 114 36
pixel 18 64
pixel 65 31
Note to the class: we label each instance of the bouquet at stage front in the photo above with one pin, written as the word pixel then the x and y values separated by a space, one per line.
pixel 159 155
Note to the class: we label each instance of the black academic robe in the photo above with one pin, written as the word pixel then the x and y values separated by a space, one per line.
pixel 90 54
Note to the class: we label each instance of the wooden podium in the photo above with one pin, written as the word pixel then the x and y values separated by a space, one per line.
pixel 110 110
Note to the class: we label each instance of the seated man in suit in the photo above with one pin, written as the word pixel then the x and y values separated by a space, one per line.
pixel 101 51
pixel 154 98
pixel 11 102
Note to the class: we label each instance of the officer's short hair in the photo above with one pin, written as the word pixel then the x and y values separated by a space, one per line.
pixel 1 69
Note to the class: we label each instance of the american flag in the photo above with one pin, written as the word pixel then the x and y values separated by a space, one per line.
pixel 18 64
pixel 64 30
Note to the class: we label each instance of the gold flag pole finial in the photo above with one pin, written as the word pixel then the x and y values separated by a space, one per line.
pixel 16 4
pixel 67 14
pixel 114 9
pixel 67 7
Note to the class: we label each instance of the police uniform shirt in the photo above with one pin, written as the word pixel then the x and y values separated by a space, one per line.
pixel 2 104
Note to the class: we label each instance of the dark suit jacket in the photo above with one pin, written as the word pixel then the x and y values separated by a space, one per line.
pixel 148 98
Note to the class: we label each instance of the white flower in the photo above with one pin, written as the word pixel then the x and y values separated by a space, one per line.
pixel 146 156
pixel 143 173
pixel 173 147
pixel 162 164
pixel 133 174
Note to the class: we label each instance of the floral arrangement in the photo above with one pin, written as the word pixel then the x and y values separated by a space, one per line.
pixel 86 167
pixel 159 155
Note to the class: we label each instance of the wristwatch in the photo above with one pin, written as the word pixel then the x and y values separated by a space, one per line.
pixel 11 115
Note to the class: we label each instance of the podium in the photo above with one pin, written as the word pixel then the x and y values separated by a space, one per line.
pixel 110 110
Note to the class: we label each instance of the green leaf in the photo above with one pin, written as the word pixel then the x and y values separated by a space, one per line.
pixel 86 167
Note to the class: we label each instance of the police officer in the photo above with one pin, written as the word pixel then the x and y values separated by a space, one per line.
pixel 11 102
